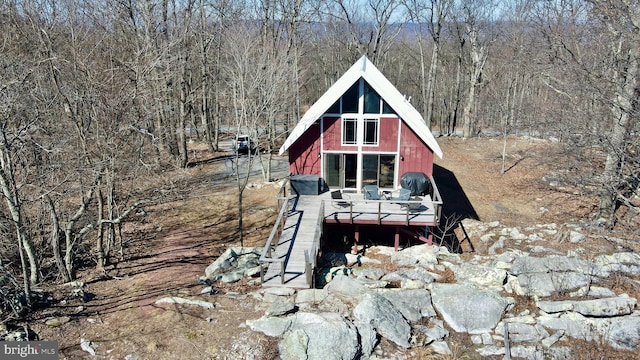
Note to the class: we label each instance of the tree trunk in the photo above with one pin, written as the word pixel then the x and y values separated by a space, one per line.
pixel 183 154
pixel 10 192
pixel 622 107
pixel 100 240
pixel 240 212
pixel 431 81
pixel 55 241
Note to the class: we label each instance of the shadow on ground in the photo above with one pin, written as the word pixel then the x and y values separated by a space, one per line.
pixel 455 208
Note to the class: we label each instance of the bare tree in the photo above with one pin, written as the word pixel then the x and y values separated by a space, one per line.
pixel 433 13
pixel 608 71
pixel 16 126
pixel 477 18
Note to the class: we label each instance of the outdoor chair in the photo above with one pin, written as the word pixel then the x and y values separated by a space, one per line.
pixel 371 192
pixel 403 195
pixel 337 198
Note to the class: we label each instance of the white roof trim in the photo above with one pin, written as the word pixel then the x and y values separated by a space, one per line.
pixel 363 68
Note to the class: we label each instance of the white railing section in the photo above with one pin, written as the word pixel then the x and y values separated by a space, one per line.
pixel 407 207
pixel 310 257
pixel 267 252
pixel 437 200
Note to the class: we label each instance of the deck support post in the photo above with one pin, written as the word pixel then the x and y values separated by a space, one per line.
pixel 356 238
pixel 396 243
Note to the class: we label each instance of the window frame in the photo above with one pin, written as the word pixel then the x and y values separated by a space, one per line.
pixel 367 121
pixel 345 133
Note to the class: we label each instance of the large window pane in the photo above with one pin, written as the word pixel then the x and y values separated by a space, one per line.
pixel 350 99
pixel 369 169
pixel 387 170
pixel 371 100
pixel 332 169
pixel 350 170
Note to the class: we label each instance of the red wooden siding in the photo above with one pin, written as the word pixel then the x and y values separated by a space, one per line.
pixel 332 135
pixel 304 154
pixel 388 139
pixel 417 155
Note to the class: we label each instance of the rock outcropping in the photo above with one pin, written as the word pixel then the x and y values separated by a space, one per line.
pixel 567 296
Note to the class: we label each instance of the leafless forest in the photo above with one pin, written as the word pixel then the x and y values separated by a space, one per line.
pixel 97 94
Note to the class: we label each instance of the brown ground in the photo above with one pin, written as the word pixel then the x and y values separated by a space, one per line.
pixel 170 246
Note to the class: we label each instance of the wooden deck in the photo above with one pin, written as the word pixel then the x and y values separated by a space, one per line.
pixel 298 242
pixel 353 209
pixel 300 234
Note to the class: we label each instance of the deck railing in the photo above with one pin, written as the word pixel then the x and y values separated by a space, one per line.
pixel 408 207
pixel 437 199
pixel 311 256
pixel 284 204
pixel 266 256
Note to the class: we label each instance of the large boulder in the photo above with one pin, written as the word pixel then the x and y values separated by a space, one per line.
pixel 234 264
pixel 319 336
pixel 538 276
pixel 620 332
pixel 626 263
pixel 615 306
pixel 550 264
pixel 424 255
pixel 460 304
pixel 415 273
pixel 412 304
pixel 376 310
pixel 270 326
pixel 480 275
pixel 346 287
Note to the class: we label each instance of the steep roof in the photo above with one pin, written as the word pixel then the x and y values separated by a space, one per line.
pixel 363 68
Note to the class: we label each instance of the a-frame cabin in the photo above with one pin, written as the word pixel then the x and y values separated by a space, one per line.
pixel 363 141
pixel 361 128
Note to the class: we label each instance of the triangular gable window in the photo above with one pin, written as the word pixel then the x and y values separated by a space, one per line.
pixel 371 100
pixel 350 99
pixel 386 109
pixel 349 104
pixel 335 108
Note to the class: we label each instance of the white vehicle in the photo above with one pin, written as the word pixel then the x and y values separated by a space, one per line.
pixel 243 144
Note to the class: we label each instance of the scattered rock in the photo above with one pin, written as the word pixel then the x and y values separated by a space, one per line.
pixel 87 346
pixel 209 290
pixel 234 264
pixel 58 321
pixel 356 307
pixel 458 305
pixel 179 300
pixel 576 237
pixel 441 347
pixel 280 307
pixel 616 306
